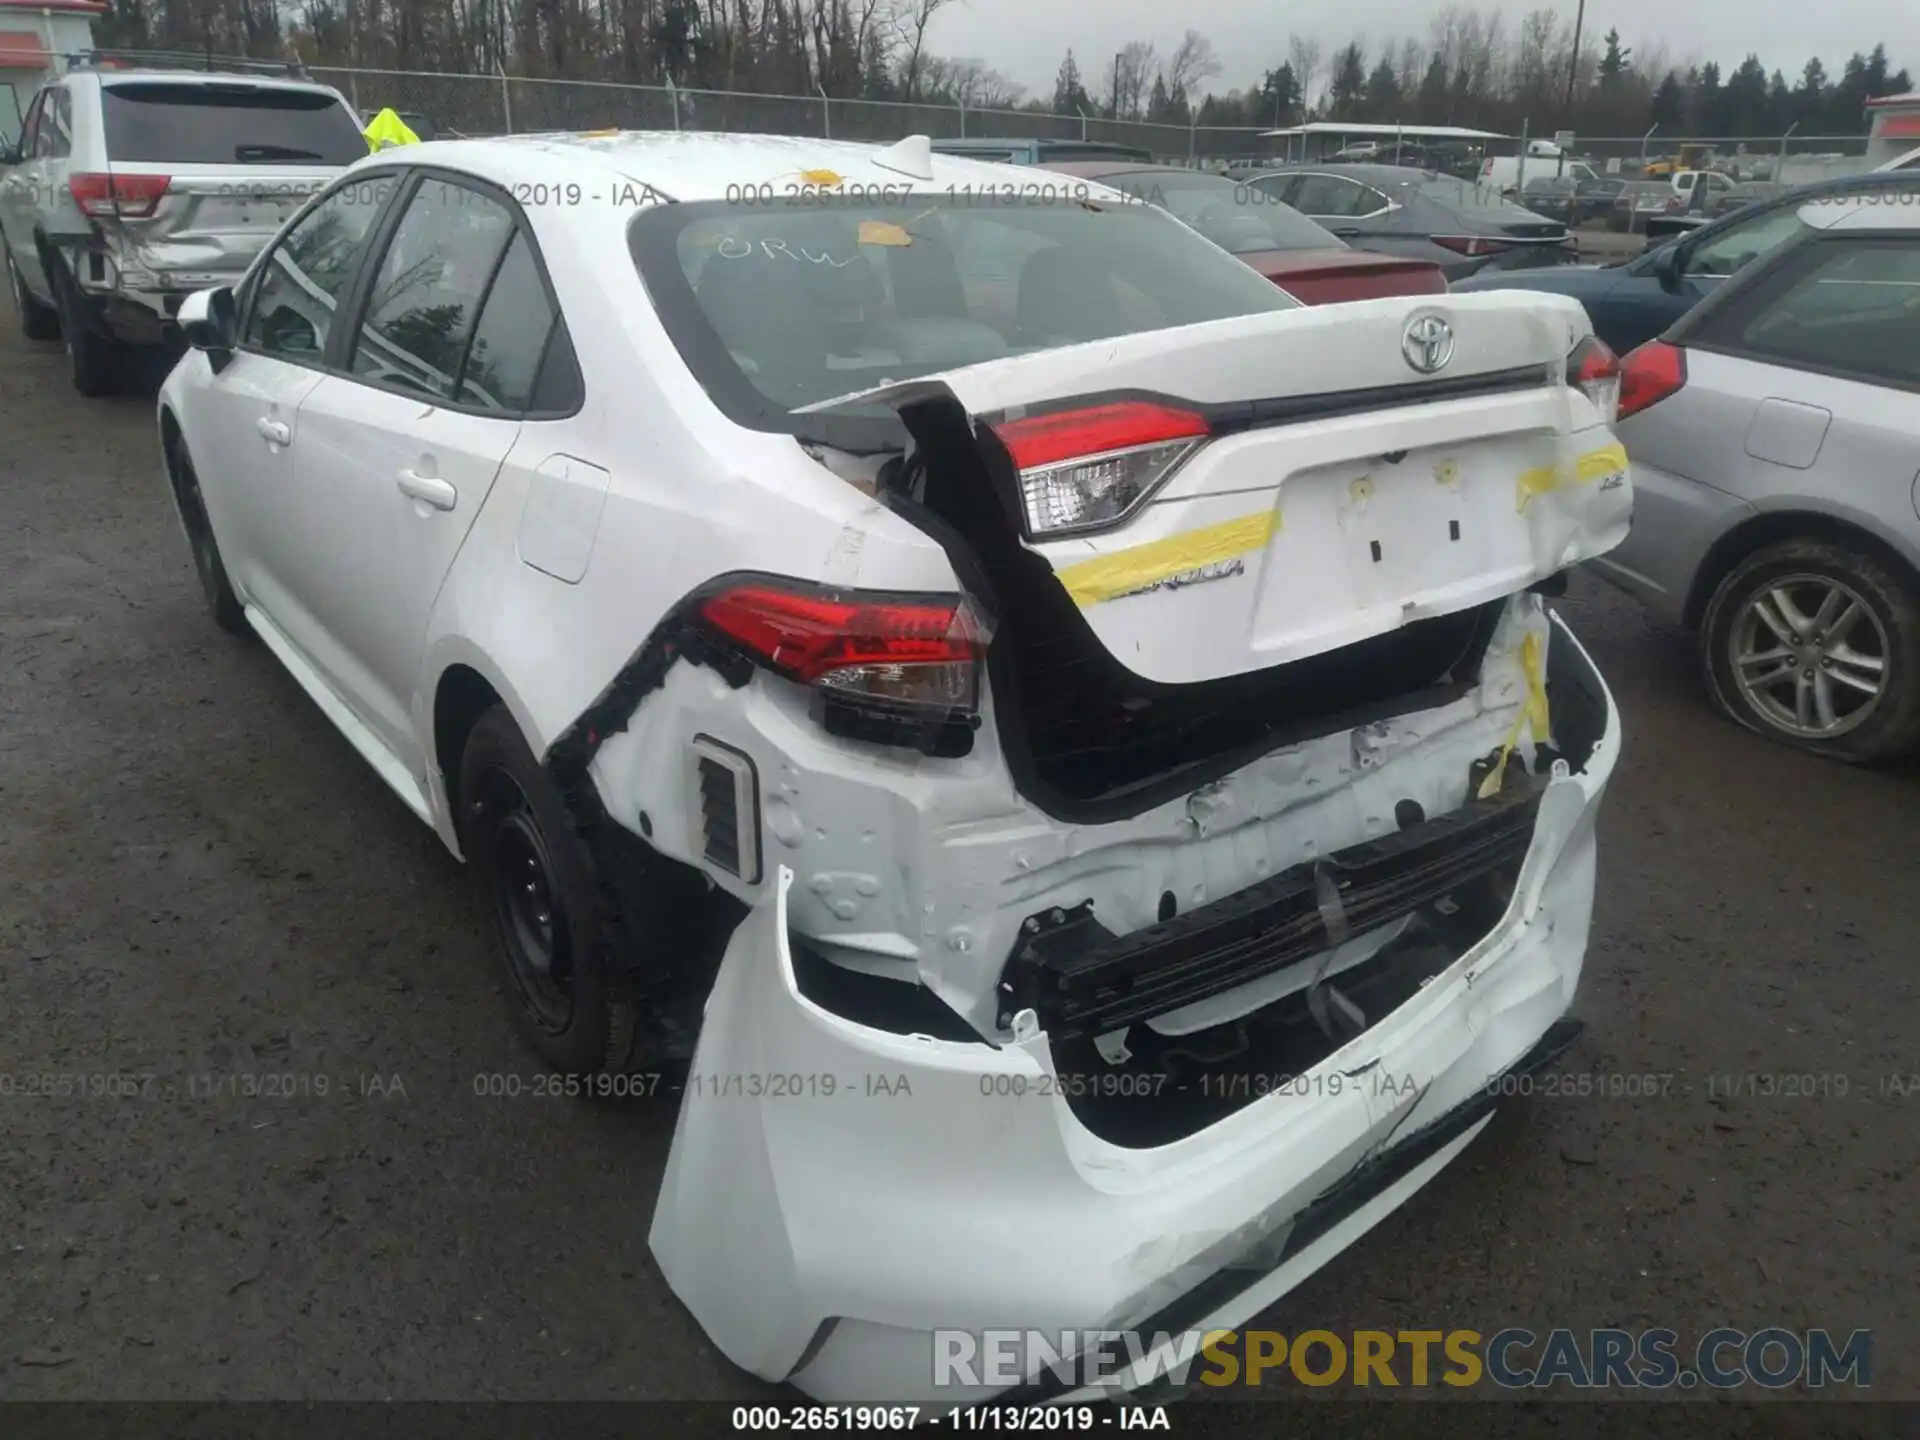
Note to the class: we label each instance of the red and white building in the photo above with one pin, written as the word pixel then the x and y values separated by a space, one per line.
pixel 1896 127
pixel 36 36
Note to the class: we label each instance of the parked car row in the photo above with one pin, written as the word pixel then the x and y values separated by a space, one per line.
pixel 130 188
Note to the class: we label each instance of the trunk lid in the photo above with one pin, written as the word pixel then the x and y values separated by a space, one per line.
pixel 1337 493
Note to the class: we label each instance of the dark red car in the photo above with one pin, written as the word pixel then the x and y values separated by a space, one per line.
pixel 1307 261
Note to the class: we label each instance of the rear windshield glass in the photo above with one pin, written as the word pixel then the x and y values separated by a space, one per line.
pixel 1457 194
pixel 1238 218
pixel 779 306
pixel 228 124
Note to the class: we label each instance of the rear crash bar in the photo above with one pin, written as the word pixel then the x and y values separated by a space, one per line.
pixel 1082 980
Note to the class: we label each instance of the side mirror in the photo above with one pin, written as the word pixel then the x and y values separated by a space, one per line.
pixel 1669 265
pixel 207 319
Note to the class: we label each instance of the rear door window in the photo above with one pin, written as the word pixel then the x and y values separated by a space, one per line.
pixel 56 126
pixel 1849 306
pixel 512 337
pixel 426 294
pixel 1330 196
pixel 1744 243
pixel 227 123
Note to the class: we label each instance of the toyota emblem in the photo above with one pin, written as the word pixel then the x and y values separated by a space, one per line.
pixel 1427 344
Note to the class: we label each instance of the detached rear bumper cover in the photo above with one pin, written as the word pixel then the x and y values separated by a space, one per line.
pixel 822 1238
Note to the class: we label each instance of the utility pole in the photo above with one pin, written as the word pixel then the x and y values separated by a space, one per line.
pixel 1573 66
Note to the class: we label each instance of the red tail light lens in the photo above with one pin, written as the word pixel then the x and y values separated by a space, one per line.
pixel 131 197
pixel 1649 375
pixel 920 653
pixel 1472 245
pixel 1594 370
pixel 1090 468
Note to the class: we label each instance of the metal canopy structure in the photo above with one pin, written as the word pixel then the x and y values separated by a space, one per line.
pixel 1354 130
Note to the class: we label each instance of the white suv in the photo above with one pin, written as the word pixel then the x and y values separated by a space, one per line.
pixel 132 188
pixel 1054 745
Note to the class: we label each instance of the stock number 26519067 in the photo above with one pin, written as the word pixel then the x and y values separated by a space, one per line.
pixel 1073 1085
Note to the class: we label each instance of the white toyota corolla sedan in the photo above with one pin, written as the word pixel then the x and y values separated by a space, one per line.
pixel 1058 749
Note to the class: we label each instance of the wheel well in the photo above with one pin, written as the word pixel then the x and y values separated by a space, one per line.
pixel 461 699
pixel 170 442
pixel 1774 528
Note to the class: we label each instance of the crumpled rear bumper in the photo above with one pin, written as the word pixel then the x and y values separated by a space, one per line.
pixel 836 1193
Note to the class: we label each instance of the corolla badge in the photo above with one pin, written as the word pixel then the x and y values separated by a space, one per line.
pixel 1427 343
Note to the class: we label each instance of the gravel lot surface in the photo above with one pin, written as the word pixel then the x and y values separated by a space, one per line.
pixel 199 881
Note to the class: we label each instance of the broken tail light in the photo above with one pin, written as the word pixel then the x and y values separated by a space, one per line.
pixel 131 197
pixel 891 669
pixel 1649 374
pixel 1594 370
pixel 1090 468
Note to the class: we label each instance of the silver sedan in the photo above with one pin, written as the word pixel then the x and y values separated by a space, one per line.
pixel 1775 440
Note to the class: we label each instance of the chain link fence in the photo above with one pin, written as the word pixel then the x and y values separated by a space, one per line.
pixel 477 105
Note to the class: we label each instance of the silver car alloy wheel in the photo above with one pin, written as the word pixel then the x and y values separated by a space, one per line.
pixel 1809 656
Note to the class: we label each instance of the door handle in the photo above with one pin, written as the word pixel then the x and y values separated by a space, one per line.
pixel 429 489
pixel 274 432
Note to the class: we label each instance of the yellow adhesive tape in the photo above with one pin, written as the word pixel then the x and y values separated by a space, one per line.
pixel 882 232
pixel 1533 713
pixel 1595 465
pixel 1110 576
pixel 828 178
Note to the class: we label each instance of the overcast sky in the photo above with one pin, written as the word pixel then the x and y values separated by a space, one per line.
pixel 1025 39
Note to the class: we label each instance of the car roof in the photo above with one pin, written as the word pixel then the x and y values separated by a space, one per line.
pixel 1849 215
pixel 688 165
pixel 1110 167
pixel 110 79
pixel 1090 148
pixel 1376 174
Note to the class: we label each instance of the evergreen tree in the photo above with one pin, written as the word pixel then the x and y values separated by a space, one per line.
pixel 1348 90
pixel 1069 93
pixel 1705 107
pixel 1669 104
pixel 1436 95
pixel 1383 93
pixel 1745 99
pixel 1613 64
pixel 1159 103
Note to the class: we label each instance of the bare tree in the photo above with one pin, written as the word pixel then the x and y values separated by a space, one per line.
pixel 1304 55
pixel 911 20
pixel 973 84
pixel 1411 65
pixel 1130 78
pixel 1192 61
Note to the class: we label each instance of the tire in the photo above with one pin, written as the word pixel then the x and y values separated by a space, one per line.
pixel 94 360
pixel 38 321
pixel 1868 668
pixel 569 990
pixel 228 613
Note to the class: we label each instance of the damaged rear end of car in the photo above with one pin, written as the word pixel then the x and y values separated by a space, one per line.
pixel 1128 925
